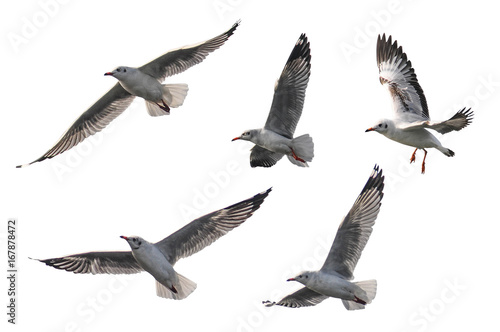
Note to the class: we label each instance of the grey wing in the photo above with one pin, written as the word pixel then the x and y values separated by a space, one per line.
pixel 457 122
pixel 290 91
pixel 397 74
pixel 355 229
pixel 96 118
pixel 261 157
pixel 177 61
pixel 207 229
pixel 97 262
pixel 304 297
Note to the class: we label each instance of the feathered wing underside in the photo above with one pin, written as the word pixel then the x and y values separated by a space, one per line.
pixel 457 122
pixel 355 229
pixel 97 262
pixel 290 91
pixel 177 61
pixel 96 118
pixel 205 230
pixel 262 157
pixel 398 76
pixel 304 297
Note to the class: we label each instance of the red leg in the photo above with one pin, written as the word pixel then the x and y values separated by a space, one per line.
pixel 297 157
pixel 423 162
pixel 164 107
pixel 412 159
pixel 358 300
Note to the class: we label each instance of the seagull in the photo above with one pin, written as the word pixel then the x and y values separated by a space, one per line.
pixel 144 82
pixel 159 258
pixel 332 280
pixel 412 119
pixel 276 138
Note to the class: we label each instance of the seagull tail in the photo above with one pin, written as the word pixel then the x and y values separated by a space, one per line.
pixel 303 147
pixel 173 96
pixel 447 152
pixel 184 288
pixel 369 290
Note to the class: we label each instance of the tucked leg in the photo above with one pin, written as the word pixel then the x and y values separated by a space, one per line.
pixel 164 107
pixel 412 159
pixel 297 157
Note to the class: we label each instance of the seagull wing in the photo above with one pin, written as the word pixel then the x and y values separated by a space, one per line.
pixel 290 91
pixel 205 230
pixel 460 120
pixel 96 118
pixel 97 262
pixel 263 157
pixel 177 61
pixel 355 229
pixel 304 297
pixel 398 76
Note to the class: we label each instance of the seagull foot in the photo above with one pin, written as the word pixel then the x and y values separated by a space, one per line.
pixel 164 107
pixel 423 162
pixel 358 300
pixel 412 159
pixel 297 157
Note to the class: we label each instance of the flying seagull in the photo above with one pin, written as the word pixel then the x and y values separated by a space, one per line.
pixel 159 258
pixel 332 280
pixel 412 119
pixel 276 138
pixel 144 82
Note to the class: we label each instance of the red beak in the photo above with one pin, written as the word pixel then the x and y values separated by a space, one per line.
pixel 234 139
pixel 291 279
pixel 369 129
pixel 108 73
pixel 124 237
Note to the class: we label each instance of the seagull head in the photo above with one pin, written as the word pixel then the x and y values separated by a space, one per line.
pixel 382 126
pixel 134 242
pixel 120 72
pixel 303 277
pixel 246 136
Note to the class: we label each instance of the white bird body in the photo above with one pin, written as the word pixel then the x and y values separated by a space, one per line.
pixel 135 82
pixel 152 260
pixel 272 141
pixel 331 285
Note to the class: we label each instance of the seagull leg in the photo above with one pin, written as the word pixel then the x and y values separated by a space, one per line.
pixel 412 159
pixel 423 162
pixel 164 107
pixel 297 157
pixel 358 300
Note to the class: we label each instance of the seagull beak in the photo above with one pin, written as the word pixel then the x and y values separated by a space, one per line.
pixel 108 74
pixel 124 237
pixel 234 139
pixel 291 279
pixel 369 129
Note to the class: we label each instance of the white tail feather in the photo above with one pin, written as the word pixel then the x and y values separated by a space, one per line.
pixel 173 96
pixel 369 290
pixel 303 147
pixel 184 288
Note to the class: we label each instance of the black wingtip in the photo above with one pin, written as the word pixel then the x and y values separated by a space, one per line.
pixel 301 50
pixel 376 181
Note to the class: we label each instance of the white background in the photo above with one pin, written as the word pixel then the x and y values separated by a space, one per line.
pixel 434 249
